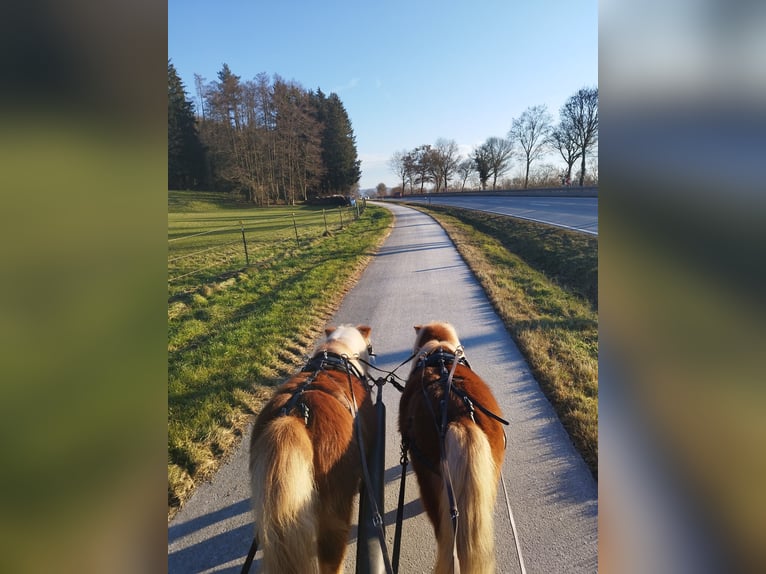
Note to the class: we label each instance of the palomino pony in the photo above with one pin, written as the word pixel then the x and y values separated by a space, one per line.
pixel 457 449
pixel 305 460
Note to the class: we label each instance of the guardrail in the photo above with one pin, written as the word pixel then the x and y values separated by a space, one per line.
pixel 571 191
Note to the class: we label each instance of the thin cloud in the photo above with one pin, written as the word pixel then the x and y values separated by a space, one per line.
pixel 353 83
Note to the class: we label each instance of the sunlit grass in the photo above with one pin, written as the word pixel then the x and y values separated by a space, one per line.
pixel 231 340
pixel 205 236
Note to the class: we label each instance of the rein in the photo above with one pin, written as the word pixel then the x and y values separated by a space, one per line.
pixel 377 518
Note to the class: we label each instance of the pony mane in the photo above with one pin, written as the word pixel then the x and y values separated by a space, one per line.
pixel 349 340
pixel 436 334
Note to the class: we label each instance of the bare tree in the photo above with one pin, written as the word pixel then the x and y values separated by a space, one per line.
pixel 399 164
pixel 464 169
pixel 199 84
pixel 422 166
pixel 581 110
pixel 444 158
pixel 381 189
pixel 563 139
pixel 544 175
pixel 531 130
pixel 500 152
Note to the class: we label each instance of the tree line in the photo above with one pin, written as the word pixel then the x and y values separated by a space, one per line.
pixel 268 139
pixel 532 135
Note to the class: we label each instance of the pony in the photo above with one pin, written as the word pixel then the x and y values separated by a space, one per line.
pixel 457 448
pixel 305 461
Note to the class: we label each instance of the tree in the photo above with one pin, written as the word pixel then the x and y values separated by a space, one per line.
pixel 581 109
pixel 444 160
pixel 531 130
pixel 563 139
pixel 482 163
pixel 185 151
pixel 421 165
pixel 222 99
pixel 400 166
pixel 297 142
pixel 339 153
pixel 199 84
pixel 500 152
pixel 381 189
pixel 464 169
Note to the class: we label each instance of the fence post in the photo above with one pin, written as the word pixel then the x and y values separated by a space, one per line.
pixel 295 226
pixel 357 209
pixel 340 210
pixel 244 242
pixel 324 215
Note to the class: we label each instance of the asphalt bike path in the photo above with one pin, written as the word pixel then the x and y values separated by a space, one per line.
pixel 418 276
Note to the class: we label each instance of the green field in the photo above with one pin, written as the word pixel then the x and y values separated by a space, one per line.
pixel 205 235
pixel 227 341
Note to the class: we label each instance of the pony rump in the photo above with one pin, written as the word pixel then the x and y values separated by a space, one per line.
pixel 473 448
pixel 284 498
pixel 473 471
pixel 304 458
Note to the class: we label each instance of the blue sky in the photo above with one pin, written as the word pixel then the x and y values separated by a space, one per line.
pixel 408 71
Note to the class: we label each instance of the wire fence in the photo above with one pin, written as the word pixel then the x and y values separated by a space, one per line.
pixel 203 256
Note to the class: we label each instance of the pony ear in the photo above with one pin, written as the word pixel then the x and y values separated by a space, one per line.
pixel 365 330
pixel 418 328
pixel 329 331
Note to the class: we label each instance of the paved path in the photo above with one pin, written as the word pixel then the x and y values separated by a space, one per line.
pixel 418 276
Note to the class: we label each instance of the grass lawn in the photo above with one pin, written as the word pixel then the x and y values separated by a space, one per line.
pixel 543 282
pixel 227 344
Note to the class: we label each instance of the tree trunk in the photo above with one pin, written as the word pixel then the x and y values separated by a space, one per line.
pixel 526 175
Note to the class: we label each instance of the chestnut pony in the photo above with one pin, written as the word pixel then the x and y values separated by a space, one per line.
pixel 470 452
pixel 305 461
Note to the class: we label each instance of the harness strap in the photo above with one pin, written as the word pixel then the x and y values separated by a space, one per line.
pixel 327 360
pixel 454 512
pixel 441 357
pixel 391 376
pixel 470 403
pixel 377 518
pixel 250 556
pixel 400 508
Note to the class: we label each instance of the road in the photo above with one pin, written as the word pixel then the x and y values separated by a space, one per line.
pixel 418 276
pixel 576 213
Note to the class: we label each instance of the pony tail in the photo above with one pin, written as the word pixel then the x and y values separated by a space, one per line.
pixel 284 497
pixel 473 473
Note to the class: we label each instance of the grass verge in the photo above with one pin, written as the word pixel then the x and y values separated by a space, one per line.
pixel 228 345
pixel 543 282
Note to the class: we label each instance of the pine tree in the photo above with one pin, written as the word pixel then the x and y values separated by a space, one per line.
pixel 185 152
pixel 339 155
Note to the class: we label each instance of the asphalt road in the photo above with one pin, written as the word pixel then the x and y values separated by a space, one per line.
pixel 576 213
pixel 418 276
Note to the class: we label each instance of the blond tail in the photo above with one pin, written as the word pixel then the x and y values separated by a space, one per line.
pixel 284 497
pixel 473 473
